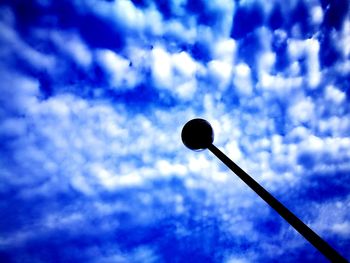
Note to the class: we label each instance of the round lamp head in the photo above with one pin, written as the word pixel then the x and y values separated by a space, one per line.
pixel 197 134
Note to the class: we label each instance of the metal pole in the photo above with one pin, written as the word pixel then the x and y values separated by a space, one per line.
pixel 292 219
pixel 197 134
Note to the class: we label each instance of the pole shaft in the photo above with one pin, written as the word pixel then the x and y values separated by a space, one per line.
pixel 292 219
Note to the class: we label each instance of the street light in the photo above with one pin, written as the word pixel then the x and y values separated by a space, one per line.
pixel 197 135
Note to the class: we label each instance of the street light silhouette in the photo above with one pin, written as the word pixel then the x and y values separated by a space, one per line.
pixel 197 135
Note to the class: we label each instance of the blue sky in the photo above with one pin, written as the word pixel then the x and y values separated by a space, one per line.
pixel 94 95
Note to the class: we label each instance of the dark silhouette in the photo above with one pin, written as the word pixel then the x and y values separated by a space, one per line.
pixel 197 134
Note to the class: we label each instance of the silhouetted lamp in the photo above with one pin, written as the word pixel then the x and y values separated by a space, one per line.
pixel 197 135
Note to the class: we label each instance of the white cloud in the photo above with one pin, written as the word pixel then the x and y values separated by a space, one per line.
pixel 220 73
pixel 267 61
pixel 79 150
pixel 18 93
pixel 342 39
pixel 225 50
pixel 130 19
pixel 342 228
pixel 309 49
pixel 154 22
pixel 121 74
pixel 123 13
pixel 236 260
pixel 13 45
pixel 80 183
pixel 298 133
pixel 186 90
pixel 175 72
pixel 166 168
pixel 224 10
pixel 232 149
pixel 318 155
pixel 313 144
pixel 161 68
pixel 184 64
pixel 302 112
pixel 242 79
pixel 111 181
pixel 314 74
pixel 73 46
pixel 317 14
pixel 334 95
pixel 180 31
pixel 279 85
pixel 332 217
pixel 59 221
pixel 336 126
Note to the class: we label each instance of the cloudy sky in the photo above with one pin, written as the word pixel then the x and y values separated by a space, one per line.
pixel 93 97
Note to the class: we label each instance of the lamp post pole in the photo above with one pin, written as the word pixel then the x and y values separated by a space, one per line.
pixel 197 135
